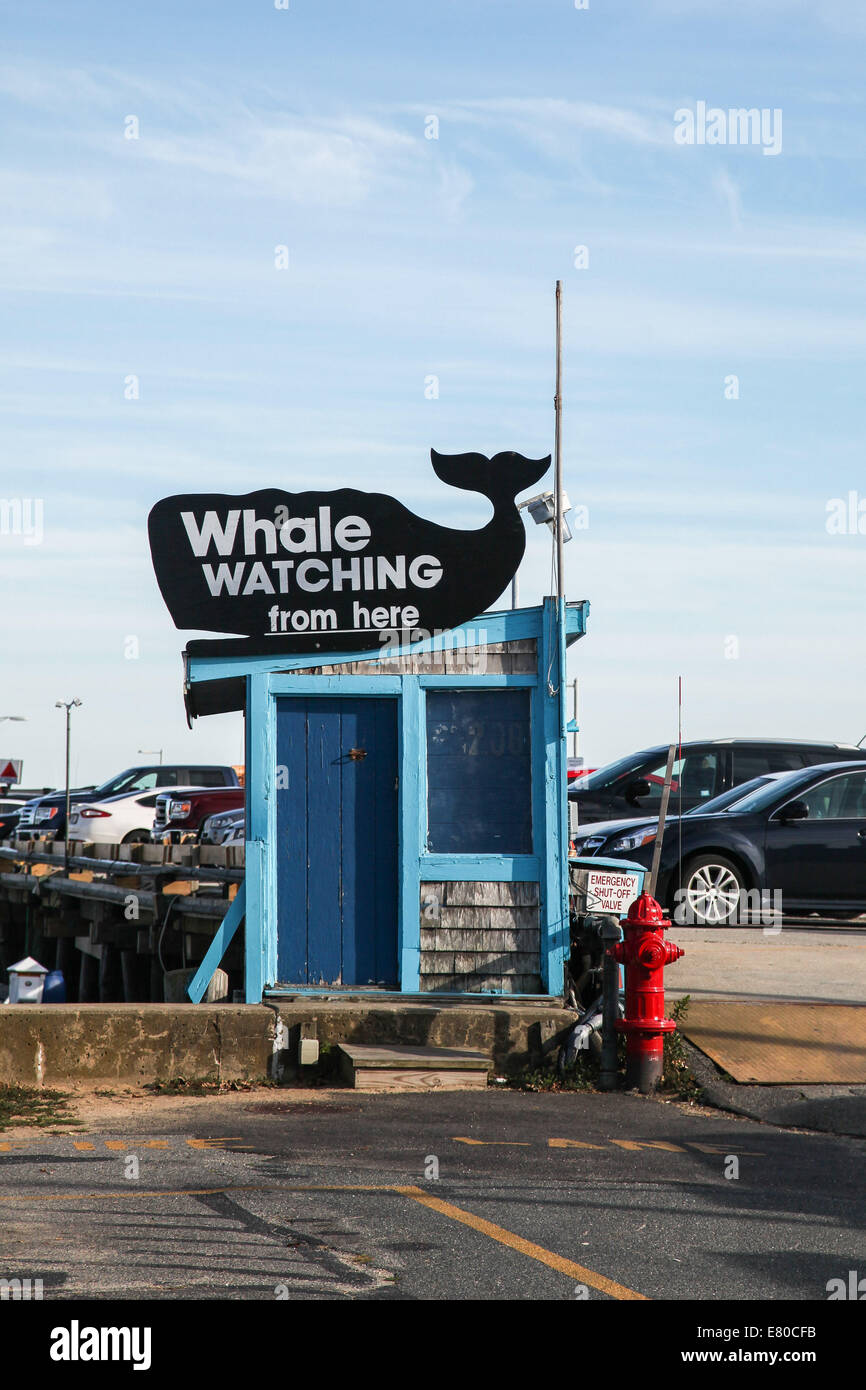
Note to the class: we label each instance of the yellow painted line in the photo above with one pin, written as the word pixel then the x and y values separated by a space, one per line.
pixel 218 1143
pixel 466 1218
pixel 127 1144
pixel 717 1149
pixel 525 1247
pixel 81 1144
pixel 490 1143
pixel 630 1145
pixel 477 1223
pixel 635 1146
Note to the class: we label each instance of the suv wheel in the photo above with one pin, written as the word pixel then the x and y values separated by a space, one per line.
pixel 711 887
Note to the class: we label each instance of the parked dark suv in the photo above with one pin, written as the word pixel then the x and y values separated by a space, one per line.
pixel 46 815
pixel 796 843
pixel 633 785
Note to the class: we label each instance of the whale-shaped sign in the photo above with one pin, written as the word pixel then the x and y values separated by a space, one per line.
pixel 312 572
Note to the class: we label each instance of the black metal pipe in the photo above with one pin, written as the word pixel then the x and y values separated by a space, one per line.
pixel 610 933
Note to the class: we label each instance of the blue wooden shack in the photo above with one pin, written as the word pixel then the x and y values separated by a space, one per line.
pixel 406 811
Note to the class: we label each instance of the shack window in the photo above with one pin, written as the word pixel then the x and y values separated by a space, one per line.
pixel 479 797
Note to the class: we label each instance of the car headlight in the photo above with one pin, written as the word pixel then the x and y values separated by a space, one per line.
pixel 589 844
pixel 46 813
pixel 179 810
pixel 634 840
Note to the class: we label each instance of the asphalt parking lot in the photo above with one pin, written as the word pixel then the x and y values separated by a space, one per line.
pixel 810 962
pixel 331 1195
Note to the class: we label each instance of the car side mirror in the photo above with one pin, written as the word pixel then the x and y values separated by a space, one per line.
pixel 795 810
pixel 639 787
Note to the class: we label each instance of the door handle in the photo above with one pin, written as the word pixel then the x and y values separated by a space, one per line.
pixel 861 834
pixel 356 754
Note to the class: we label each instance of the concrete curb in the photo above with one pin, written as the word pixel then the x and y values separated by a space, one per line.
pixel 57 1045
pixel 54 1045
pixel 829 1109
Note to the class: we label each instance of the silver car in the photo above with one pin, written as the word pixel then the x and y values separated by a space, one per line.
pixel 220 828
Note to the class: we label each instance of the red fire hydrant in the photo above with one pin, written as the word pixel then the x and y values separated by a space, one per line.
pixel 644 953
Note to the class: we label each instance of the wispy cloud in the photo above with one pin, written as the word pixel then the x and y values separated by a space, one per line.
pixel 551 124
pixel 335 162
pixel 729 191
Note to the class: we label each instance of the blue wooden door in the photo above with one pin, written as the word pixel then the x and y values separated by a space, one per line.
pixel 336 793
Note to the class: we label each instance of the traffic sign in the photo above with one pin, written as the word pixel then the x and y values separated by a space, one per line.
pixel 10 769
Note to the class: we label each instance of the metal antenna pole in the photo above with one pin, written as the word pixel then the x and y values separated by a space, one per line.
pixel 68 731
pixel 557 445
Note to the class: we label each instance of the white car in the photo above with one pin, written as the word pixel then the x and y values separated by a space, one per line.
pixel 126 819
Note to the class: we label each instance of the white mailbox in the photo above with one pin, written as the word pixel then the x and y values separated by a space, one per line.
pixel 26 980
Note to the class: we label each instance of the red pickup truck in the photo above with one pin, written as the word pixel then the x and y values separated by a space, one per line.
pixel 179 814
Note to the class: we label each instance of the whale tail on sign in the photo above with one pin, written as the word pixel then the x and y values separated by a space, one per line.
pixel 279 570
pixel 500 479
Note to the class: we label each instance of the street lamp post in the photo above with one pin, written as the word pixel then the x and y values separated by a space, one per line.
pixel 68 705
pixel 149 752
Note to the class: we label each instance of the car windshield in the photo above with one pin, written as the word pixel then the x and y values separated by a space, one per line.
pixel 781 785
pixel 732 797
pixel 134 780
pixel 606 776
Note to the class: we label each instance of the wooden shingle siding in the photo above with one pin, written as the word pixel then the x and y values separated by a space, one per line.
pixel 476 894
pixel 519 658
pixel 478 936
pixel 481 984
pixel 477 939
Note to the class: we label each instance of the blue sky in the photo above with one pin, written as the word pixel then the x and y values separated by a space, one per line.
pixel 408 256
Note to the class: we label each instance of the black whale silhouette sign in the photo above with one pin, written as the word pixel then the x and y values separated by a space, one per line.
pixel 334 571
